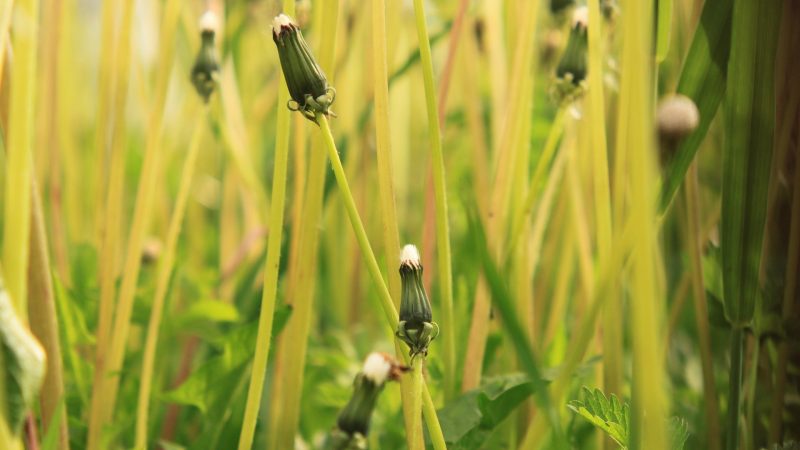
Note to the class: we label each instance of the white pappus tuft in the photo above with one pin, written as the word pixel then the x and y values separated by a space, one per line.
pixel 209 22
pixel 377 368
pixel 280 21
pixel 580 17
pixel 409 255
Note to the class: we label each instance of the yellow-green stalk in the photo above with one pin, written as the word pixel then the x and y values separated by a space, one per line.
pixel 44 324
pixel 440 189
pixel 166 265
pixel 271 267
pixel 19 147
pixel 391 235
pixel 104 399
pixel 649 403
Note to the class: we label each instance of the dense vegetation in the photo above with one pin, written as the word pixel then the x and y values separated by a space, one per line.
pixel 207 205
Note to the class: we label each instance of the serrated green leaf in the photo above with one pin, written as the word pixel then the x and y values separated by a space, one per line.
pixel 610 415
pixel 703 80
pixel 678 431
pixel 22 362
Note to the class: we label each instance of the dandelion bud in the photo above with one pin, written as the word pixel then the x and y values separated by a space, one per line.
pixel 308 86
pixel 416 327
pixel 205 71
pixel 676 118
pixel 353 422
pixel 557 6
pixel 572 68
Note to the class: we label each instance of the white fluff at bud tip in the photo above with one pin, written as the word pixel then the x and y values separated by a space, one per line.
pixel 377 368
pixel 280 21
pixel 580 16
pixel 209 22
pixel 409 255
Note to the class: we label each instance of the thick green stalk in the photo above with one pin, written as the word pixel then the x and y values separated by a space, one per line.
pixel 735 388
pixel 415 433
pixel 440 188
pixel 19 167
pixel 166 265
pixel 374 270
pixel 272 265
pixel 44 323
pixel 751 394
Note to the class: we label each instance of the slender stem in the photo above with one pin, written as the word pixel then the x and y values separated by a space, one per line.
pixel 550 146
pixel 700 306
pixel 104 400
pixel 752 381
pixel 789 295
pixel 385 299
pixel 391 235
pixel 440 188
pixel 272 266
pixel 166 265
pixel 415 438
pixel 735 388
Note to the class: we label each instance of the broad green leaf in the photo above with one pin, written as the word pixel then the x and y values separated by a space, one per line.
pixel 502 300
pixel 22 361
pixel 703 80
pixel 747 154
pixel 470 419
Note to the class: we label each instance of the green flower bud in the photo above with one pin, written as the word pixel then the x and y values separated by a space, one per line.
pixel 205 72
pixel 557 6
pixel 308 86
pixel 416 327
pixel 572 68
pixel 354 418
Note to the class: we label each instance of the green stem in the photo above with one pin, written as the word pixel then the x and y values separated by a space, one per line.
pixel 751 394
pixel 415 437
pixel 162 284
pixel 385 299
pixel 735 389
pixel 700 305
pixel 440 189
pixel 271 268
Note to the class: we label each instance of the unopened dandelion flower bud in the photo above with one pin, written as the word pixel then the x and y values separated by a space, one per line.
pixel 676 118
pixel 416 327
pixel 205 72
pixel 572 68
pixel 557 6
pixel 353 420
pixel 308 86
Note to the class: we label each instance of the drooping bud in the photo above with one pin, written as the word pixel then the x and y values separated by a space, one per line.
pixel 205 72
pixel 352 425
pixel 572 68
pixel 308 86
pixel 416 327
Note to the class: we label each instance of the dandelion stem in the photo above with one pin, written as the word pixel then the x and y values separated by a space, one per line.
pixel 440 188
pixel 166 265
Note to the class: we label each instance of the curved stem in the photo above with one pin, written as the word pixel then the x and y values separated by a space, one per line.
pixel 162 284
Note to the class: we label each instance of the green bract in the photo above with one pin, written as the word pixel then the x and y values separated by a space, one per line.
pixel 205 72
pixel 416 327
pixel 305 79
